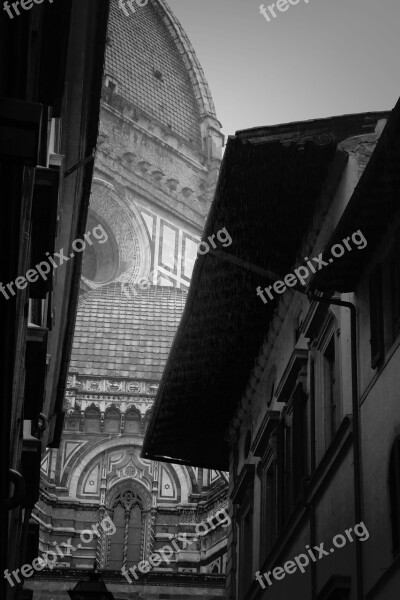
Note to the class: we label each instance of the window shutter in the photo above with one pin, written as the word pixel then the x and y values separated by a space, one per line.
pixel 376 316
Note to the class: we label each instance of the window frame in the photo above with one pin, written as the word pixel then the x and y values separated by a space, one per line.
pixel 243 497
pixel 376 316
pixel 245 558
pixel 268 504
pixel 329 334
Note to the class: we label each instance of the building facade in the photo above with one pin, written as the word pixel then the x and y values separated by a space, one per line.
pixel 50 83
pixel 157 161
pixel 308 385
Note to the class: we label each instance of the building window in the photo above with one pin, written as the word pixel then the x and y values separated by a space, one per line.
pixel 92 420
pixel 300 441
pixel 112 421
pixel 242 495
pixel 126 544
pixel 100 262
pixel 37 312
pixel 268 509
pixel 265 446
pixel 394 493
pixel 245 548
pixel 376 316
pixel 395 286
pixel 133 422
pixel 72 421
pixel 331 390
pixel 293 447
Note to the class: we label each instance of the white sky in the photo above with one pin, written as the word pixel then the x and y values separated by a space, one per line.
pixel 321 59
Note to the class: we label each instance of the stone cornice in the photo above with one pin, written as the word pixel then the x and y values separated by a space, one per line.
pixel 161 579
pixel 143 189
pixel 111 387
pixel 158 140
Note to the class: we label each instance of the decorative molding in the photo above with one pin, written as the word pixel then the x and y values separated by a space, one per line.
pixel 243 482
pixel 297 362
pixel 261 441
pixel 161 579
pixel 111 388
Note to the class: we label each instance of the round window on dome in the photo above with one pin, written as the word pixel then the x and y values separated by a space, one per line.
pixel 100 259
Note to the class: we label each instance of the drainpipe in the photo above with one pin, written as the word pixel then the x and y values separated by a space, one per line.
pixel 313 540
pixel 358 512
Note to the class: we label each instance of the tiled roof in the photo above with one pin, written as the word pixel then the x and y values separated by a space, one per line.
pixel 139 46
pixel 271 185
pixel 122 334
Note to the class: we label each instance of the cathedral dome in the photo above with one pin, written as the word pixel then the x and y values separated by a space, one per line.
pixel 155 170
pixel 123 331
pixel 152 64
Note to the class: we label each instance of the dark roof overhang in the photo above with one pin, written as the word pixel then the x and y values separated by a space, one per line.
pixel 268 188
pixel 371 209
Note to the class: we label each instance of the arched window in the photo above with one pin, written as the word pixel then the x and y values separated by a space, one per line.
pixel 394 492
pixel 126 543
pixel 132 422
pixel 100 261
pixel 92 420
pixel 112 421
pixel 72 421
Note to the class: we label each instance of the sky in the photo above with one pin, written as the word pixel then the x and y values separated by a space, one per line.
pixel 321 59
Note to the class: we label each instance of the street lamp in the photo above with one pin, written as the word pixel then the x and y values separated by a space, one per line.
pixel 94 589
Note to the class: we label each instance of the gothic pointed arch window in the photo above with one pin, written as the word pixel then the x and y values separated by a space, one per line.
pixel 133 422
pixel 127 542
pixel 92 419
pixel 73 420
pixel 112 420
